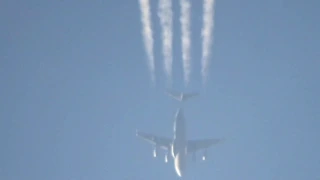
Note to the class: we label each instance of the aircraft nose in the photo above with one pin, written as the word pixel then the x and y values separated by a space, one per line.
pixel 181 173
pixel 180 165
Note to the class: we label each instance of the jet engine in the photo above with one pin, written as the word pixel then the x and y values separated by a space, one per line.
pixel 204 157
pixel 166 158
pixel 155 152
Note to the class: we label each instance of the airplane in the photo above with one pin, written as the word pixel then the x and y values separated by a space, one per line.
pixel 179 146
pixel 181 96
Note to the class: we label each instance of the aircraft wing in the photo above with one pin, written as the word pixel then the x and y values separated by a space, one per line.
pixel 195 145
pixel 162 142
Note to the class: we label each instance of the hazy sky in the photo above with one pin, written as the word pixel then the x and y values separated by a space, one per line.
pixel 75 86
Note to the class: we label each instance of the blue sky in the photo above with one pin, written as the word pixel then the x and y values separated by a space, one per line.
pixel 75 86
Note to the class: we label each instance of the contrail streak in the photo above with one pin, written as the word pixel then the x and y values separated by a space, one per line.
pixel 208 24
pixel 165 15
pixel 185 38
pixel 147 34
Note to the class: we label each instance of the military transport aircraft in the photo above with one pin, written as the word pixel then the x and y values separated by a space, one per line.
pixel 179 146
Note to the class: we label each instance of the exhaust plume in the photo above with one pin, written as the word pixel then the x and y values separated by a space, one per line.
pixel 185 37
pixel 147 34
pixel 165 15
pixel 206 33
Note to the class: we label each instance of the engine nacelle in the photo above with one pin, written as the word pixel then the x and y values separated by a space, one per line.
pixel 166 158
pixel 155 152
pixel 204 157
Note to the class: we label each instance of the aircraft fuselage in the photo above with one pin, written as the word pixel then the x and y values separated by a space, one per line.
pixel 179 150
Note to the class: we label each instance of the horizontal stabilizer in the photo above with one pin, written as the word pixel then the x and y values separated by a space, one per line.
pixel 181 96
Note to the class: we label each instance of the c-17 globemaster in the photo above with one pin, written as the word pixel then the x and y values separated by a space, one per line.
pixel 179 146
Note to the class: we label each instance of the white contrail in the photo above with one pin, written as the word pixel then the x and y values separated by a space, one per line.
pixel 208 24
pixel 165 15
pixel 147 34
pixel 185 38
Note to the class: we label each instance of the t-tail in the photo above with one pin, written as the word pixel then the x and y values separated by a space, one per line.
pixel 180 96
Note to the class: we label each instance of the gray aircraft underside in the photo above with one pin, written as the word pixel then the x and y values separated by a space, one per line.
pixel 178 146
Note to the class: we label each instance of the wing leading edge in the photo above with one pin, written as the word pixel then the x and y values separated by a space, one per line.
pixel 162 142
pixel 195 145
